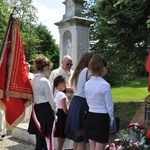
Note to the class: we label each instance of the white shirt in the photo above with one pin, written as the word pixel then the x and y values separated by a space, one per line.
pixel 61 71
pixel 42 91
pixel 31 75
pixel 66 74
pixel 79 88
pixel 99 98
pixel 59 95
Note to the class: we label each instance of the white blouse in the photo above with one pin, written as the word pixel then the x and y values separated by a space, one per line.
pixel 42 91
pixel 59 95
pixel 79 88
pixel 98 96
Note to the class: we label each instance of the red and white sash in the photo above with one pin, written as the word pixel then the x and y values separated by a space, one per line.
pixel 49 139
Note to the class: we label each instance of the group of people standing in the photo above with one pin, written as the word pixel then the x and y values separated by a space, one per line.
pixel 76 105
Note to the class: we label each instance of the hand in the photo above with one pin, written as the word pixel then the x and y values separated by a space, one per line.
pixel 56 118
pixel 69 90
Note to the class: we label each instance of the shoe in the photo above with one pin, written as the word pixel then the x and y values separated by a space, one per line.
pixel 2 136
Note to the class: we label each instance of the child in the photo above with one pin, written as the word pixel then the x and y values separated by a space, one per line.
pixel 61 100
pixel 44 109
pixel 99 99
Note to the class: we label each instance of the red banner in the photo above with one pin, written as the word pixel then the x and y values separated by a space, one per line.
pixel 15 88
pixel 148 70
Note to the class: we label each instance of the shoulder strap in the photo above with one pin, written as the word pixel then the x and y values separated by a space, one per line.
pixel 87 75
pixel 55 93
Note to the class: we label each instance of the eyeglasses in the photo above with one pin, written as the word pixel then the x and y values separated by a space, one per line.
pixel 69 64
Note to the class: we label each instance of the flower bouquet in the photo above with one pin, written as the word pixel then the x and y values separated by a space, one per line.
pixel 146 139
pixel 119 144
pixel 133 138
pixel 135 131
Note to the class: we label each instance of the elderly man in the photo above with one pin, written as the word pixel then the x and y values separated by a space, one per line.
pixel 66 71
pixel 2 120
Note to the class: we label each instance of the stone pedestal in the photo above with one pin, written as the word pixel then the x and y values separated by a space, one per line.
pixel 140 115
pixel 27 114
pixel 20 132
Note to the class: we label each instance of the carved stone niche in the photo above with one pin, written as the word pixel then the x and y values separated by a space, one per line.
pixel 67 43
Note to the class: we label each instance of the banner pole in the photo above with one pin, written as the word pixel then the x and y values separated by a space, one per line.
pixel 7 29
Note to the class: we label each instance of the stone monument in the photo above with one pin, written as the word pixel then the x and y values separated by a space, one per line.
pixel 74 30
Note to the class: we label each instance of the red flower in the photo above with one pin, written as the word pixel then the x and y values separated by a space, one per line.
pixel 148 134
pixel 141 126
pixel 132 125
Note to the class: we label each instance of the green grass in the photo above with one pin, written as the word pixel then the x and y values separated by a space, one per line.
pixel 135 90
pixel 128 99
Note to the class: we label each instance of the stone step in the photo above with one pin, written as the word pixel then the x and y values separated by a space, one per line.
pixel 20 132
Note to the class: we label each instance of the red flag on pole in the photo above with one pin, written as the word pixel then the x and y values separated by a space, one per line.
pixel 148 70
pixel 15 88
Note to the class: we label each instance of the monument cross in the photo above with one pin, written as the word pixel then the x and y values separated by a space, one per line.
pixel 74 30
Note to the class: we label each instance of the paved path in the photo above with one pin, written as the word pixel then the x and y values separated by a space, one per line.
pixel 11 143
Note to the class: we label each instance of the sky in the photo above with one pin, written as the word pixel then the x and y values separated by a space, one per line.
pixel 49 12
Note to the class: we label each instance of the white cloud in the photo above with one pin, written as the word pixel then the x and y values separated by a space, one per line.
pixel 49 13
pixel 45 13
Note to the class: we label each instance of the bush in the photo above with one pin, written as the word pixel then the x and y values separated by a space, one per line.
pixel 120 74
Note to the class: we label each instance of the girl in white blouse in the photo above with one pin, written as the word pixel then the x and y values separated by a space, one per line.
pixel 101 109
pixel 43 114
pixel 61 103
pixel 75 125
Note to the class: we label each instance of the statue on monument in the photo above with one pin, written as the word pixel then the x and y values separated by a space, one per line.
pixel 69 47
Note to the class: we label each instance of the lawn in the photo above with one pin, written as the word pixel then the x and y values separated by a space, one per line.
pixel 134 91
pixel 128 99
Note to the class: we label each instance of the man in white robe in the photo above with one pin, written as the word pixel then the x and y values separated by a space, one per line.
pixel 66 71
pixel 2 124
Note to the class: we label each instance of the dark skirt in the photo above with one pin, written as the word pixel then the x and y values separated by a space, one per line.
pixel 97 126
pixel 45 116
pixel 75 125
pixel 60 124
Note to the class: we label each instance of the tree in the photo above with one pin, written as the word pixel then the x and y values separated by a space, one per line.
pixel 120 33
pixel 27 22
pixel 4 15
pixel 36 38
pixel 47 45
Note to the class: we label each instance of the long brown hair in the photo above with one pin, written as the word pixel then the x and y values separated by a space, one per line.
pixel 97 64
pixel 83 62
pixel 59 79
